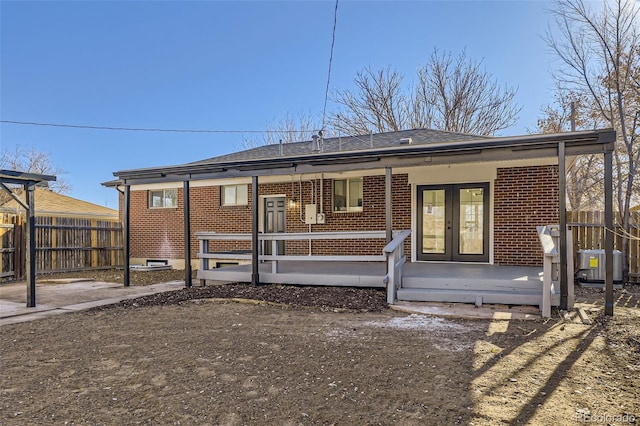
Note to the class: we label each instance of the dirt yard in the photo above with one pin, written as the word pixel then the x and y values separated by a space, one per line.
pixel 197 356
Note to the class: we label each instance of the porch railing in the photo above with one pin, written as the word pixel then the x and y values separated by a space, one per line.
pixel 549 236
pixel 206 251
pixel 394 252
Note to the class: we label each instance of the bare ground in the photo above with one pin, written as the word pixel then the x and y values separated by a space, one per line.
pixel 316 356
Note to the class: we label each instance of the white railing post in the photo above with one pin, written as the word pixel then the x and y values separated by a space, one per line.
pixel 274 253
pixel 546 285
pixel 395 264
pixel 546 235
pixel 391 274
pixel 204 248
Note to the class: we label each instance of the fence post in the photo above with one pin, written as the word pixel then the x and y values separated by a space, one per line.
pixel 54 243
pixel 94 243
pixel 112 238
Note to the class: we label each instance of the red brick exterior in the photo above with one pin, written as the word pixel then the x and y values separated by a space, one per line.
pixel 524 197
pixel 159 232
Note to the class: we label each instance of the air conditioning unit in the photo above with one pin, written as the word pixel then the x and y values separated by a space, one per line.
pixel 591 267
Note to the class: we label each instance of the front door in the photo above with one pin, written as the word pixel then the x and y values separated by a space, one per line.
pixel 453 222
pixel 274 221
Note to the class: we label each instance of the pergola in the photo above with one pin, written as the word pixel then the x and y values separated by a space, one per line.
pixel 28 182
pixel 560 146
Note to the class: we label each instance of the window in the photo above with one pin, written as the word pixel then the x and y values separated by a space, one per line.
pixel 235 195
pixel 347 195
pixel 163 198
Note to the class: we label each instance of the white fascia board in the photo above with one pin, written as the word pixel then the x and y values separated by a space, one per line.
pixel 454 173
pixel 458 173
pixel 465 172
pixel 192 184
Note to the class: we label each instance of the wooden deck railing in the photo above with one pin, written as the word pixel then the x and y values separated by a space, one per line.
pixel 207 252
pixel 549 236
pixel 393 253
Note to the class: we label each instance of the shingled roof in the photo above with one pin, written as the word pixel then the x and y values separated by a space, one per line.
pixel 49 203
pixel 346 143
pixel 407 148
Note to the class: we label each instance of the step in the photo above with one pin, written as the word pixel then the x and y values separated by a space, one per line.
pixel 468 296
pixel 452 283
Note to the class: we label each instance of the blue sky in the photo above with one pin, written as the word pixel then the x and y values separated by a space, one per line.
pixel 228 66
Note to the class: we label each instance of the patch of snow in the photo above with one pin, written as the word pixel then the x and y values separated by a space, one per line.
pixel 448 335
pixel 418 322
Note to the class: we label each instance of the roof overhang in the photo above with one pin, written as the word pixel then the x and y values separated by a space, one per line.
pixel 14 177
pixel 494 149
pixel 27 180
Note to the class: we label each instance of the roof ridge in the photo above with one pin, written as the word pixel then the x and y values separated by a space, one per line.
pixel 266 151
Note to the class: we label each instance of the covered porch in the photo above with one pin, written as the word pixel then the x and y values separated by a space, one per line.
pixel 421 281
pixel 470 282
pixel 416 281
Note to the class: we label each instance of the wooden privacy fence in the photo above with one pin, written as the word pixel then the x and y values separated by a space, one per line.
pixel 63 244
pixel 588 233
pixel 11 253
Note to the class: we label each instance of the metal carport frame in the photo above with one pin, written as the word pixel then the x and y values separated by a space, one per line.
pixel 28 181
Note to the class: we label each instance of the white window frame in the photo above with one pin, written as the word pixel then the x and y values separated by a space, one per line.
pixel 234 202
pixel 163 198
pixel 349 208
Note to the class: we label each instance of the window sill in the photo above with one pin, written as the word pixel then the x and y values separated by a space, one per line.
pixel 234 206
pixel 342 213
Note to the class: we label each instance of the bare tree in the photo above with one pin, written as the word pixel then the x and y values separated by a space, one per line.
pixel 378 105
pixel 34 161
pixel 462 97
pixel 572 111
pixel 287 129
pixel 452 95
pixel 600 59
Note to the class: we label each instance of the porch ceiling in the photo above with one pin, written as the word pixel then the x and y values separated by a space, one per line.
pixel 474 150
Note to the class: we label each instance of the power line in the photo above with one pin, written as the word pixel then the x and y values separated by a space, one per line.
pixel 142 129
pixel 333 40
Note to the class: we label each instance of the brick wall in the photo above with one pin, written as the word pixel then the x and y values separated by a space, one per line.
pixel 524 197
pixel 159 233
pixel 372 217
